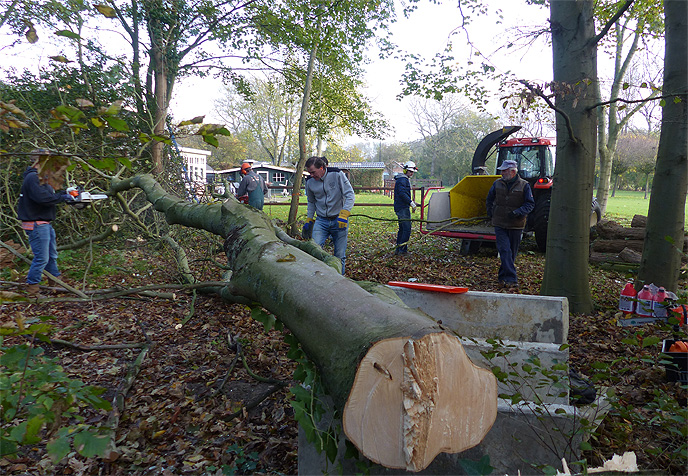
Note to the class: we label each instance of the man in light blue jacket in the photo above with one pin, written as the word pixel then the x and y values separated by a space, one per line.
pixel 330 201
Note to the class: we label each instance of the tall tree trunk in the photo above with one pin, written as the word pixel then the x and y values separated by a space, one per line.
pixel 616 184
pixel 303 146
pixel 575 72
pixel 160 114
pixel 661 260
pixel 608 130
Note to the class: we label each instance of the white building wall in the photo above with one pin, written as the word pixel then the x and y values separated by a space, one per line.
pixel 195 161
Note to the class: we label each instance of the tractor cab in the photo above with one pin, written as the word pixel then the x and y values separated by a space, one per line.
pixel 534 159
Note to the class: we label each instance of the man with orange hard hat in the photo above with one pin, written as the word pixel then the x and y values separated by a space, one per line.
pixel 252 186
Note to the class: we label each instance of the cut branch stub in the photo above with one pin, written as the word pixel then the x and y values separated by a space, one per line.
pixel 413 399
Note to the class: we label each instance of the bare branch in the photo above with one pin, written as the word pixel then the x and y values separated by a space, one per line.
pixel 538 92
pixel 651 97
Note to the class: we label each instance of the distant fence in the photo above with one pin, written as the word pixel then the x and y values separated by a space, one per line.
pixel 387 191
pixel 415 183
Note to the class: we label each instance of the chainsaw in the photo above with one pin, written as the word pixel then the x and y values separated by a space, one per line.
pixel 82 198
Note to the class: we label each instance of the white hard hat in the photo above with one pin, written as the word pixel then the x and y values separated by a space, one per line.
pixel 411 165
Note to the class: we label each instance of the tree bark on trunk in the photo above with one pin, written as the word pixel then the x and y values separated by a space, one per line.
pixel 575 74
pixel 449 404
pixel 661 261
pixel 608 131
pixel 160 92
pixel 303 148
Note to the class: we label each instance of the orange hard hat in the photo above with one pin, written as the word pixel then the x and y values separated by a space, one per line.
pixel 244 168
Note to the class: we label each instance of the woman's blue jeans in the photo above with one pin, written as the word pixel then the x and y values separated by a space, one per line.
pixel 44 247
pixel 324 228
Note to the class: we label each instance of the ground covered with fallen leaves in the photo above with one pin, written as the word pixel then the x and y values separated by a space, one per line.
pixel 211 395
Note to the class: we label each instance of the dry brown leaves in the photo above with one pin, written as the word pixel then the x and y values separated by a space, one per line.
pixel 175 420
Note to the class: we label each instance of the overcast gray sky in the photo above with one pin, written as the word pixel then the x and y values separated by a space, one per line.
pixel 425 33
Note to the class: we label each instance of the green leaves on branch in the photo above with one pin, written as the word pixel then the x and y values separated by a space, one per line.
pixel 75 118
pixel 209 131
pixel 107 12
pixel 309 409
pixel 268 320
pixel 36 395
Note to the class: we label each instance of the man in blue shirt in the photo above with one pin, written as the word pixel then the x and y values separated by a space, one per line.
pixel 253 186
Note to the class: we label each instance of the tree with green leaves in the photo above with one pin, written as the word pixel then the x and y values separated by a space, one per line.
pixel 269 115
pixel 636 151
pixel 642 23
pixel 574 51
pixel 450 132
pixel 322 46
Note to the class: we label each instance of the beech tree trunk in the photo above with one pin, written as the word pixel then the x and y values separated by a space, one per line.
pixel 303 150
pixel 449 404
pixel 609 126
pixel 574 54
pixel 661 261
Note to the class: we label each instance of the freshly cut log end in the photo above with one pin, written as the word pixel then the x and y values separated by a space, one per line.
pixel 415 398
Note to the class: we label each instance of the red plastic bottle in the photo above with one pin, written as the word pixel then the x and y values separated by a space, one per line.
pixel 659 308
pixel 626 300
pixel 645 302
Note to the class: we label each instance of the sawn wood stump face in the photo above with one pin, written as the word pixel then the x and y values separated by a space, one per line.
pixel 413 399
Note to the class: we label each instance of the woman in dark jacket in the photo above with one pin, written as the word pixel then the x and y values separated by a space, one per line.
pixel 37 209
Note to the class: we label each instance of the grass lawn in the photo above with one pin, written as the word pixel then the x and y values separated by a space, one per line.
pixel 625 204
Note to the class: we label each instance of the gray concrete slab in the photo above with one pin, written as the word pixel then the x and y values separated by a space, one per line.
pixel 510 356
pixel 515 317
pixel 524 438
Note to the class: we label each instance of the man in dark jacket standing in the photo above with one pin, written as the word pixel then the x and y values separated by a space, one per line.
pixel 402 202
pixel 252 185
pixel 509 202
pixel 37 209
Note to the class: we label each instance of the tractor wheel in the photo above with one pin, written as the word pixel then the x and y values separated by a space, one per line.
pixel 595 213
pixel 540 221
pixel 469 247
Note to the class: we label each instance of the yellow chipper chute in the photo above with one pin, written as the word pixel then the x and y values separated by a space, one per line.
pixel 467 198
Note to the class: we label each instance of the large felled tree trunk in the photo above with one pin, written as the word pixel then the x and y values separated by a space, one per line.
pixel 409 373
pixel 575 74
pixel 661 260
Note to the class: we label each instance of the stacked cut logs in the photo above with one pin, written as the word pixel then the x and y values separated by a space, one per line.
pixel 618 244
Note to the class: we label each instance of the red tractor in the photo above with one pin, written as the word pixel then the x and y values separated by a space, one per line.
pixel 458 213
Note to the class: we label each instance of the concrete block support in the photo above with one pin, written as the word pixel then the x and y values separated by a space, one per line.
pixel 524 438
pixel 532 386
pixel 488 315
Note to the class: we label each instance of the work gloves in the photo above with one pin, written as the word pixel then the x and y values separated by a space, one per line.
pixel 513 215
pixel 72 194
pixel 343 218
pixel 307 232
pixel 413 206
